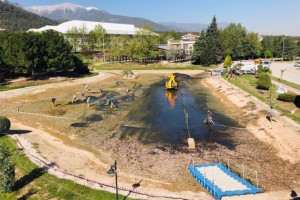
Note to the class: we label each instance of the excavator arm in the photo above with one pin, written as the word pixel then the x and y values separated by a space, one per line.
pixel 171 84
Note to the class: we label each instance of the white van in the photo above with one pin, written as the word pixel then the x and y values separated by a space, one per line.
pixel 265 64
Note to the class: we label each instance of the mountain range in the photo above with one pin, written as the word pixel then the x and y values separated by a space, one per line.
pixel 68 11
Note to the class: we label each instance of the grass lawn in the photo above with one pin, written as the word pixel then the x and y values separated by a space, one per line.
pixel 138 66
pixel 36 183
pixel 28 83
pixel 248 82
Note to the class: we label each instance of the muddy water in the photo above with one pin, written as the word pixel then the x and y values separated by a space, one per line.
pixel 163 113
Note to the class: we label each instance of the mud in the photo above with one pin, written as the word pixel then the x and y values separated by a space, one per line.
pixel 147 133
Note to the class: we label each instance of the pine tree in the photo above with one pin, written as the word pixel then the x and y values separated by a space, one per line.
pixel 212 50
pixel 198 52
pixel 208 46
pixel 7 171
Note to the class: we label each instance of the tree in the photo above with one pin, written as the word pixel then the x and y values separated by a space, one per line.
pixel 173 53
pixel 119 46
pixel 145 42
pixel 7 170
pixel 228 61
pixel 73 37
pixel 199 47
pixel 233 40
pixel 252 45
pixel 56 52
pixel 95 38
pixel 208 46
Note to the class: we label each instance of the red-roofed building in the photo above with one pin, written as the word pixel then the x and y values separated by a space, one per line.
pixel 186 43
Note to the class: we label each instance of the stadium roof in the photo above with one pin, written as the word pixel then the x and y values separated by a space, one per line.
pixel 110 28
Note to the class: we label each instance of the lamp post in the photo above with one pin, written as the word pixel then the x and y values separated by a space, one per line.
pixel 113 171
pixel 103 41
pixel 283 48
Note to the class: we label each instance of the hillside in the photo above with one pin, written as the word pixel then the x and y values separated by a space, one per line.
pixel 16 19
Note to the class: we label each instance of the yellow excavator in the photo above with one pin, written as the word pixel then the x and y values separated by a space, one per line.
pixel 171 84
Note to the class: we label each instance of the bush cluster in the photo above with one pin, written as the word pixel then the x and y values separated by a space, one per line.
pixel 264 82
pixel 4 124
pixel 287 97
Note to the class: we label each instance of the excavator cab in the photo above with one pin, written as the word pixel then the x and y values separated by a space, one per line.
pixel 171 84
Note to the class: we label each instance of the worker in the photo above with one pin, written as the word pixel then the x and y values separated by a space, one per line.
pixel 88 101
pixel 107 100
pixel 100 92
pixel 112 105
pixel 53 101
pixel 74 98
pixel 272 114
pixel 82 96
pixel 86 87
pixel 208 119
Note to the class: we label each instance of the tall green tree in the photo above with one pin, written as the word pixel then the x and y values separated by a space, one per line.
pixel 146 42
pixel 119 46
pixel 233 40
pixel 199 47
pixel 252 45
pixel 95 38
pixel 56 52
pixel 7 170
pixel 211 51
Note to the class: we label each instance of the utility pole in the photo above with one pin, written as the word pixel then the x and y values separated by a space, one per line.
pixel 103 41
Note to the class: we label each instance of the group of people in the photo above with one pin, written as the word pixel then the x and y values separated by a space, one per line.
pixel 88 100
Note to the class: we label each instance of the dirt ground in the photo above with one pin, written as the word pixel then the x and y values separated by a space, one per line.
pixel 86 140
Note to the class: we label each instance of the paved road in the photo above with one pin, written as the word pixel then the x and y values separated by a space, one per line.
pixel 291 73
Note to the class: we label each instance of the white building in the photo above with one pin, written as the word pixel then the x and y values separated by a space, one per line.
pixel 110 28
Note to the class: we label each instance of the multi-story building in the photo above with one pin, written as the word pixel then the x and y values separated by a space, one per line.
pixel 186 43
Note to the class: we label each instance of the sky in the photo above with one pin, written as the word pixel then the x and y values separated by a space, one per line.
pixel 267 17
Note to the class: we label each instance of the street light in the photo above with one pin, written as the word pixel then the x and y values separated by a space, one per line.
pixel 283 48
pixel 113 171
pixel 103 41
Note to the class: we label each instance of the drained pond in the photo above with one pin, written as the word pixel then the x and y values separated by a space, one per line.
pixel 163 113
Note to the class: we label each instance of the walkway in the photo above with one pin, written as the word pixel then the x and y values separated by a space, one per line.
pixel 296 91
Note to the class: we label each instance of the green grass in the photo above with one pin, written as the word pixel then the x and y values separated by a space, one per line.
pixel 293 85
pixel 138 66
pixel 16 86
pixel 248 84
pixel 38 184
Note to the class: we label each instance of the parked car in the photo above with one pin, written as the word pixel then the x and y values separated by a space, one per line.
pixel 297 64
pixel 265 64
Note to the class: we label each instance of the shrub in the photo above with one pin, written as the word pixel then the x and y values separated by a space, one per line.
pixel 297 101
pixel 259 71
pixel 287 97
pixel 7 170
pixel 264 82
pixel 4 124
pixel 228 61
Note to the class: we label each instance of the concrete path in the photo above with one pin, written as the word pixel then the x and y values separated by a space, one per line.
pixel 296 91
